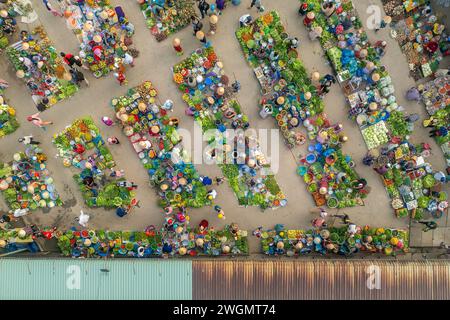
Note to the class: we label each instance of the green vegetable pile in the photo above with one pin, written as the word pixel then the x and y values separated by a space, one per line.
pixel 84 132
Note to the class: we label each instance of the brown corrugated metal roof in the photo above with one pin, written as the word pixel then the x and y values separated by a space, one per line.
pixel 319 279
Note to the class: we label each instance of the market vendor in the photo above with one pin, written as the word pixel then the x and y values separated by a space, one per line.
pixel 203 226
pixel 9 26
pixel 197 25
pixel 380 47
pixel 127 26
pixel 79 148
pixel 413 94
pixel 444 47
pixel 347 23
pixel 315 33
pixel 212 194
pixel 304 8
pixel 245 20
pixel 145 144
pixel 293 42
pixel 220 212
pixel 442 131
pixel 89 182
pixel 168 105
pixel 328 8
pixel 25 36
pixel 26 62
pixel 98 52
pixel 431 47
pixel 359 184
pixel 274 56
pixel 127 184
pixel 308 20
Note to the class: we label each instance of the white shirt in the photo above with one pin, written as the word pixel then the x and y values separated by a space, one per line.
pixel 21 212
pixel 213 193
pixel 244 19
pixel 27 139
pixel 323 214
pixel 351 228
pixel 127 59
pixel 83 219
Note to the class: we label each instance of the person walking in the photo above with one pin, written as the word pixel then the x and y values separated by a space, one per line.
pixel 439 132
pixel 212 194
pixel 201 36
pixel 257 4
pixel 78 77
pixel 4 84
pixel 120 77
pixel 197 25
pixel 107 121
pixel 83 219
pixel 344 218
pixel 126 184
pixel 37 121
pixel 329 78
pixel 213 24
pixel 245 20
pixel 322 212
pixel 26 140
pixel 386 20
pixel 219 180
pixel 69 59
pixel 324 89
pixel 413 94
pixel 220 212
pixel 446 247
pixel 113 140
pixel 213 9
pixel 429 225
pixel 205 180
pixel 203 6
pixel 380 47
pixel 79 63
pixel 128 59
pixel 49 7
pixel 319 223
pixel 117 173
pixel 352 229
pixel 220 5
pixel 43 104
pixel 304 8
pixel 177 46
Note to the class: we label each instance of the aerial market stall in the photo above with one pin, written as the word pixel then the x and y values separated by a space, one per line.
pixel 199 241
pixel 435 95
pixel 8 23
pixel 153 134
pixel 412 184
pixel 421 36
pixel 26 183
pixel 16 240
pixel 105 35
pixel 166 17
pixel 8 121
pixel 38 63
pixel 211 101
pixel 280 241
pixel 81 146
pixel 293 100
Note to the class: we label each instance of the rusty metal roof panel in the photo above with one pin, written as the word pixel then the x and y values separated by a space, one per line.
pixel 321 279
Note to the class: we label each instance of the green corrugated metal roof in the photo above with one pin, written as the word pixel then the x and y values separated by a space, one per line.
pixel 127 279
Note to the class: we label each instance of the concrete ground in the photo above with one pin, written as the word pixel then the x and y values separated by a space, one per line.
pixel 154 63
